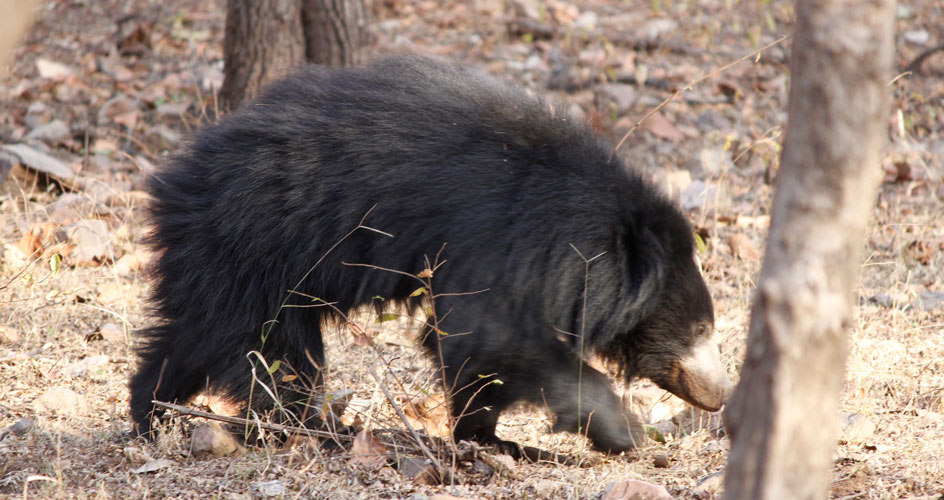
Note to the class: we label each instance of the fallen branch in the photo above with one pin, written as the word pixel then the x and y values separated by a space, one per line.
pixel 915 65
pixel 184 410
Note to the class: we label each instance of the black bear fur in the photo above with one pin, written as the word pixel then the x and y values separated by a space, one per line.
pixel 434 155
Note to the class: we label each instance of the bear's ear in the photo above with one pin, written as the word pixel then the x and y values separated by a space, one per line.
pixel 643 268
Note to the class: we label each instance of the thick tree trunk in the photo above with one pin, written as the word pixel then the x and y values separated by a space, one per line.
pixel 783 417
pixel 263 39
pixel 335 31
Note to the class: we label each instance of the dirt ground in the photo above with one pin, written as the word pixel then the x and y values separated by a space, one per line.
pixel 109 87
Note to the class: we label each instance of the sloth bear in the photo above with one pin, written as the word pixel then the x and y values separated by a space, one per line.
pixel 339 184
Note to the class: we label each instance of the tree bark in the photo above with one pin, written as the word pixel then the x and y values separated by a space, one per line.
pixel 335 31
pixel 16 19
pixel 782 418
pixel 263 39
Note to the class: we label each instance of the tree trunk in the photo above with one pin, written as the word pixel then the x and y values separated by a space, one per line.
pixel 782 418
pixel 263 39
pixel 17 16
pixel 335 31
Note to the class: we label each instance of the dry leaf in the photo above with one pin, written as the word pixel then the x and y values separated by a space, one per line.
pixel 419 470
pixel 134 261
pixel 368 451
pixel 661 127
pixel 92 240
pixel 743 248
pixel 429 413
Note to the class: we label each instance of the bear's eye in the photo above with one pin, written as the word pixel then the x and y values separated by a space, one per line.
pixel 701 330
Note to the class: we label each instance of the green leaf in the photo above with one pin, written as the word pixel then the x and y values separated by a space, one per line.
pixel 55 264
pixel 653 433
pixel 387 317
pixel 419 291
pixel 274 367
pixel 700 245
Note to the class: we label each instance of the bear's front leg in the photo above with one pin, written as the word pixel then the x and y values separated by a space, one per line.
pixel 584 402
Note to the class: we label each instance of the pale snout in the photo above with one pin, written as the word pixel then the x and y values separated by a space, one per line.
pixel 702 380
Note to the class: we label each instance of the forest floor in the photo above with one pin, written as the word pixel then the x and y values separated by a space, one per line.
pixel 105 89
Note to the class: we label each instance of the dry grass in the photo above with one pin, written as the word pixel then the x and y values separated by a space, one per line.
pixel 894 380
pixel 52 317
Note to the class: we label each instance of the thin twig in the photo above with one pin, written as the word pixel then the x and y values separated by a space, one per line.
pixel 692 84
pixel 396 407
pixel 184 410
pixel 915 65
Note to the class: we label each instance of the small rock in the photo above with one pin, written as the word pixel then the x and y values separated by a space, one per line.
pixel 632 489
pixel 916 37
pixel 661 461
pixel 586 20
pixel 59 400
pixel 120 105
pixel 483 468
pixel 37 114
pixel 700 195
pixel 623 96
pixel 657 27
pixel 709 485
pixel 40 162
pixel 856 427
pixel 53 132
pixel 19 428
pixel 531 9
pixel 883 299
pixel 161 138
pixel 171 113
pixel 53 70
pixel 503 464
pixel 211 440
pixel 929 301
pixel 546 488
pixel 710 121
pixel 153 465
pixel 419 470
pixel 80 368
pixel 271 488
